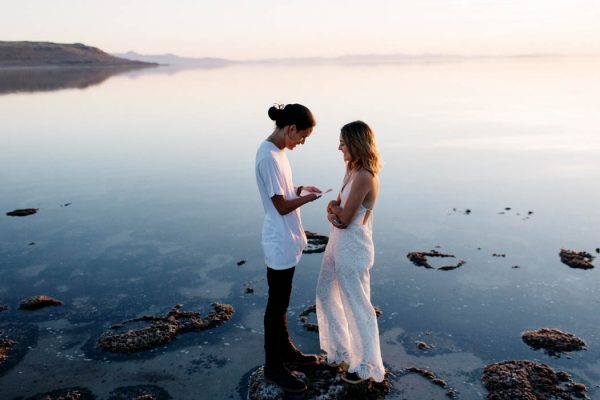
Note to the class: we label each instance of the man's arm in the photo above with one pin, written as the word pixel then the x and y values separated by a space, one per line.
pixel 284 206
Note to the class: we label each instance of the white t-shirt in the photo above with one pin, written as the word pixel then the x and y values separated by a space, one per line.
pixel 283 237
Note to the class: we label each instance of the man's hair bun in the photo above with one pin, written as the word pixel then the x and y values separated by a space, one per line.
pixel 291 114
pixel 275 113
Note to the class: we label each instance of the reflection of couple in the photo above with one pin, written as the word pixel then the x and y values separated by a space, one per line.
pixel 348 329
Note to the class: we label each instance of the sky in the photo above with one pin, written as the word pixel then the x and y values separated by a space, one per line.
pixel 238 29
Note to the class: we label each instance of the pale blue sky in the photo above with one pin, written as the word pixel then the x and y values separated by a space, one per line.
pixel 281 28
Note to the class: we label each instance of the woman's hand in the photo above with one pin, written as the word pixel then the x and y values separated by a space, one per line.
pixel 333 219
pixel 330 206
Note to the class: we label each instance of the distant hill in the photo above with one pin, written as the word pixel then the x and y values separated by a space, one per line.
pixel 44 54
pixel 209 62
pixel 173 60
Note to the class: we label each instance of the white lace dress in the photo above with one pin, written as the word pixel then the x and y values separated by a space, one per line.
pixel 348 330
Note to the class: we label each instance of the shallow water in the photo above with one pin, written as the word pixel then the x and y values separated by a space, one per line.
pixel 158 166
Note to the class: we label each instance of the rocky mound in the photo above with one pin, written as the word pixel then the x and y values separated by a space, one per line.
pixel 162 329
pixel 580 260
pixel 44 54
pixel 36 302
pixel 553 341
pixel 509 380
pixel 324 383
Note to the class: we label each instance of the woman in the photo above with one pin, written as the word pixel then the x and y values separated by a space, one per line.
pixel 348 329
pixel 283 237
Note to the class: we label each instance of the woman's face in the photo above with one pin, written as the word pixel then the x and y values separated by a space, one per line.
pixel 296 137
pixel 344 149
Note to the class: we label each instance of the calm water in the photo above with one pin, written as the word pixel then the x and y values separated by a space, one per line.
pixel 158 166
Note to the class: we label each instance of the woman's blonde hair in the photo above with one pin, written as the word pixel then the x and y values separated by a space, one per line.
pixel 360 140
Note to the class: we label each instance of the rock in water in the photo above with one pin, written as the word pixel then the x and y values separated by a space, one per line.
pixel 5 346
pixel 419 258
pixel 433 378
pixel 316 243
pixel 553 341
pixel 139 392
pixel 37 302
pixel 580 260
pixel 324 383
pixel 528 380
pixel 162 329
pixel 22 212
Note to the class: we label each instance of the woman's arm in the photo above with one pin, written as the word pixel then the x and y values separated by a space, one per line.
pixel 284 206
pixel 361 186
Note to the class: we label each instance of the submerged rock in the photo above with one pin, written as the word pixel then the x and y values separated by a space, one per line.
pixel 37 302
pixel 422 345
pixel 241 262
pixel 427 374
pixel 22 212
pixel 419 258
pixel 509 380
pixel 140 392
pixel 324 383
pixel 580 260
pixel 553 341
pixel 316 243
pixel 162 329
pixel 303 318
pixel 3 307
pixel 75 393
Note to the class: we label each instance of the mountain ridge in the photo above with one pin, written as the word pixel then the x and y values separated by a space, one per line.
pixel 49 54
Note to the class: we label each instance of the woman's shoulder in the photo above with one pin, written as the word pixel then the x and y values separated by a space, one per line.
pixel 364 175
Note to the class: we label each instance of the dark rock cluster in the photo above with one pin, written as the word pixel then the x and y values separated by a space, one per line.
pixel 22 212
pixel 37 302
pixel 316 243
pixel 419 258
pixel 162 329
pixel 3 307
pixel 509 380
pixel 553 341
pixel 580 260
pixel 324 382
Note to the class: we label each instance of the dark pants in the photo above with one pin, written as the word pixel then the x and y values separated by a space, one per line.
pixel 277 340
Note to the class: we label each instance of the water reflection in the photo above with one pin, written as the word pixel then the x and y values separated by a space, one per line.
pixel 16 80
pixel 158 166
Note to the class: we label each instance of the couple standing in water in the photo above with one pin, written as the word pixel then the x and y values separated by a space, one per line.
pixel 348 330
